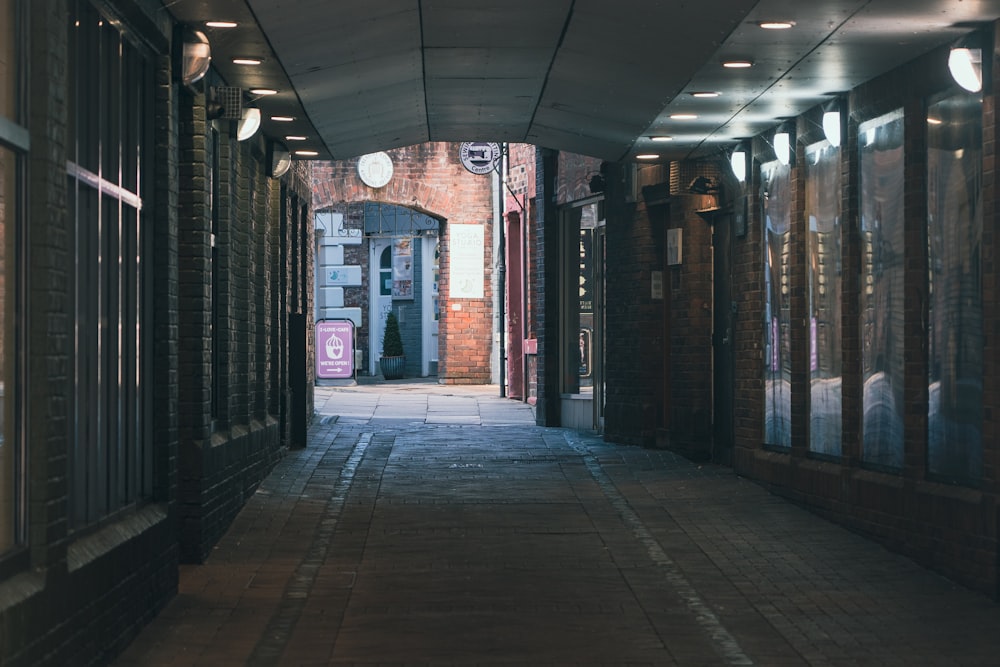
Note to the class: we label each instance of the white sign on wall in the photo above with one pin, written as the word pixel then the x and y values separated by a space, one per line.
pixel 349 276
pixel 465 276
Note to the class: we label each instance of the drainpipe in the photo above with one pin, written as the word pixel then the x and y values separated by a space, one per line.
pixel 502 271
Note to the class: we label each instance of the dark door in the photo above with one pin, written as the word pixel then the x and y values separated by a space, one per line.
pixel 723 322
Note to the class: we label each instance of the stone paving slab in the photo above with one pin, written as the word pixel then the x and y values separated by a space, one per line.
pixel 401 540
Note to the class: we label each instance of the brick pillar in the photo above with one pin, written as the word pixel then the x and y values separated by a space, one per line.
pixel 546 240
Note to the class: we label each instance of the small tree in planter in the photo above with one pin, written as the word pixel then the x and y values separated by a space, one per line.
pixel 393 359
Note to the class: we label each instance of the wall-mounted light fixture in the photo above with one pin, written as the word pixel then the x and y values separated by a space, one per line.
pixel 832 121
pixel 702 185
pixel 783 143
pixel 196 55
pixel 279 159
pixel 738 161
pixel 248 124
pixel 966 62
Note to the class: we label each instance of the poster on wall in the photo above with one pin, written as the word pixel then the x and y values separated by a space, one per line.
pixel 465 276
pixel 402 269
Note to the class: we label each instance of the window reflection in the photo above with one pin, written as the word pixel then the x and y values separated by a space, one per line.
pixel 11 477
pixel 822 171
pixel 954 237
pixel 881 162
pixel 578 321
pixel 777 204
pixel 8 479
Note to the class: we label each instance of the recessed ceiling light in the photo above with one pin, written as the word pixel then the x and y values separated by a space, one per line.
pixel 294 137
pixel 220 24
pixel 934 121
pixel 737 64
pixel 247 61
pixel 683 116
pixel 775 25
pixel 646 156
pixel 282 119
pixel 307 153
pixel 661 138
pixel 263 91
pixel 705 93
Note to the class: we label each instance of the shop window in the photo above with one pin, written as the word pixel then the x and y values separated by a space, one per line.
pixel 580 278
pixel 13 152
pixel 111 86
pixel 880 154
pixel 823 261
pixel 955 313
pixel 776 199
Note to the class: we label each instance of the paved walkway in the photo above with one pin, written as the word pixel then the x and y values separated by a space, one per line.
pixel 431 525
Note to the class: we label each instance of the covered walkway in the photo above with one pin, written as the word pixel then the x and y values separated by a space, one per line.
pixel 438 525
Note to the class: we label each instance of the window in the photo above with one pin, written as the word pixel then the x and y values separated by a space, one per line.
pixel 385 272
pixel 955 313
pixel 823 262
pixel 880 154
pixel 776 199
pixel 13 151
pixel 580 278
pixel 110 113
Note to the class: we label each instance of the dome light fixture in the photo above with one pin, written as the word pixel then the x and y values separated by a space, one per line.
pixel 280 160
pixel 738 162
pixel 833 121
pixel 196 55
pixel 966 67
pixel 249 124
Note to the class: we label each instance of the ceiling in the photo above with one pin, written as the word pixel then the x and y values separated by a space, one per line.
pixel 593 77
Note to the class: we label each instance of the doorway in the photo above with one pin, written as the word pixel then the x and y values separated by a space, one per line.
pixel 380 299
pixel 723 322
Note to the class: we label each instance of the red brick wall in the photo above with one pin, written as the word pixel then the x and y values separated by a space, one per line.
pixel 430 178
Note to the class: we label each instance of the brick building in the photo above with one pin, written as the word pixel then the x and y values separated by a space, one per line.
pixel 818 320
pixel 156 285
pixel 805 291
pixel 418 212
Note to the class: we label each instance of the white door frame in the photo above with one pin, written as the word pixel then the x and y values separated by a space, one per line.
pixel 429 326
pixel 378 305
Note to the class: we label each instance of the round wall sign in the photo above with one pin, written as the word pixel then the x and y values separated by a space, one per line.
pixel 375 169
pixel 480 157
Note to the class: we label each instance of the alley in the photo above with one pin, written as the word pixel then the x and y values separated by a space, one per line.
pixel 434 525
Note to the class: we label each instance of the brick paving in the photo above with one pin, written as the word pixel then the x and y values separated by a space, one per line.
pixel 433 525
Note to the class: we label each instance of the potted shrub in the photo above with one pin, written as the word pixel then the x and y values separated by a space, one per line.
pixel 393 360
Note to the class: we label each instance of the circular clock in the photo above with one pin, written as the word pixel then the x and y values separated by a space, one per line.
pixel 375 169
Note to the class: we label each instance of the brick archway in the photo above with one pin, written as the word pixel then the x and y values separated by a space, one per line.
pixel 430 178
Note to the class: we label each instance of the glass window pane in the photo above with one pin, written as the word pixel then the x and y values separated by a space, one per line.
pixel 9 481
pixel 881 163
pixel 776 196
pixel 109 455
pixel 823 263
pixel 954 239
